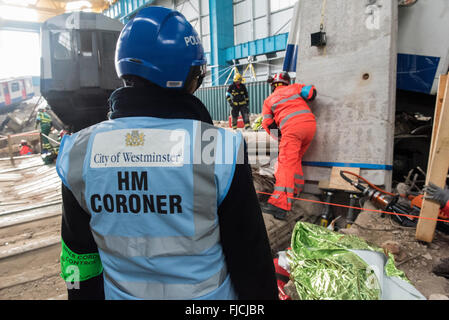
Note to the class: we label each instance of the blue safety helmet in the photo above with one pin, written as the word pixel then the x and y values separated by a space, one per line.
pixel 161 46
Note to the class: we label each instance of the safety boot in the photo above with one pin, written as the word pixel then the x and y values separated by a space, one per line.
pixel 278 213
pixel 234 123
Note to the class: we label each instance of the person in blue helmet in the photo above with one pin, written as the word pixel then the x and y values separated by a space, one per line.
pixel 157 202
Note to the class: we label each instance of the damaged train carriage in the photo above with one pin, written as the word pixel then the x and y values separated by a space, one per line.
pixel 77 66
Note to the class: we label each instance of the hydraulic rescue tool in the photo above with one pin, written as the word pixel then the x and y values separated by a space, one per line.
pixel 382 199
pixel 387 201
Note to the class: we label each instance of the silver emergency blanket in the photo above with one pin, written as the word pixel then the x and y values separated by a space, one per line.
pixel 326 265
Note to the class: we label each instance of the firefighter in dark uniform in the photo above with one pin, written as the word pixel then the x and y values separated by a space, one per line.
pixel 238 99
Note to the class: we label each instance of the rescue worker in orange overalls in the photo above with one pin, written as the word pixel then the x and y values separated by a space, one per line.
pixel 287 117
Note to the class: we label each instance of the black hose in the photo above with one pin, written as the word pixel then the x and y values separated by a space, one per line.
pixel 355 184
pixel 345 177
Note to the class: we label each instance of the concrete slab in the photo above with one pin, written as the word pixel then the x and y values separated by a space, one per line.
pixel 355 76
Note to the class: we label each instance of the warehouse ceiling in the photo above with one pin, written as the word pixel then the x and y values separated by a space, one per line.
pixel 46 9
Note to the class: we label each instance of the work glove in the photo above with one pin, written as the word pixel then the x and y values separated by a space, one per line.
pixel 435 193
pixel 308 93
pixel 272 129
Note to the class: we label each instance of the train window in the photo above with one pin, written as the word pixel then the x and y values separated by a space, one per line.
pixel 108 41
pixel 15 87
pixel 61 45
pixel 5 90
pixel 86 43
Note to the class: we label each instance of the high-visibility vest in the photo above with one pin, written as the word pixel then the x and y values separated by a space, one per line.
pixel 152 188
pixel 43 117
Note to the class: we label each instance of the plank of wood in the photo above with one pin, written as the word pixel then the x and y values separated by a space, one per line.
pixel 436 118
pixel 28 208
pixel 437 173
pixel 33 215
pixel 29 246
pixel 336 182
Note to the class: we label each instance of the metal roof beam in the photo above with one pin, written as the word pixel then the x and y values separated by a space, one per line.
pixel 33 6
pixel 125 9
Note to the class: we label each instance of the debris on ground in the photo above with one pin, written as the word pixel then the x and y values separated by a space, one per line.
pixel 422 263
pixel 30 224
pixel 414 257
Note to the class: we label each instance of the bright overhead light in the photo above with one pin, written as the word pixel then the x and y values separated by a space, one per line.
pixel 20 2
pixel 17 13
pixel 78 5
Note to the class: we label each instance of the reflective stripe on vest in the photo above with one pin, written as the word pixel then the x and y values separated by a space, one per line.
pixel 132 244
pixel 283 189
pixel 155 290
pixel 292 115
pixel 44 118
pixel 293 97
pixel 76 156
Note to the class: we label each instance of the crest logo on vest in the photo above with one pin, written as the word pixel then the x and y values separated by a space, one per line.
pixel 135 138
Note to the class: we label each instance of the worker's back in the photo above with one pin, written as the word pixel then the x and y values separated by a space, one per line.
pixel 153 196
pixel 157 202
pixel 287 100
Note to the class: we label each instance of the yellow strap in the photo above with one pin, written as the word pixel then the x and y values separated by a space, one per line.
pixel 323 9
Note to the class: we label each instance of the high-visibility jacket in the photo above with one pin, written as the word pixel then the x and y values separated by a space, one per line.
pixel 152 188
pixel 286 109
pixel 285 103
pixel 43 117
pixel 24 150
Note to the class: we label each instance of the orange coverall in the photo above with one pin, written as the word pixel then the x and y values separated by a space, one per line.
pixel 286 109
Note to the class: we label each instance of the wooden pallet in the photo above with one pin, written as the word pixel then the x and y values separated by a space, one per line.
pixel 438 165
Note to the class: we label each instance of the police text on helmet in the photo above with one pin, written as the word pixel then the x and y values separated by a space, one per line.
pixel 192 40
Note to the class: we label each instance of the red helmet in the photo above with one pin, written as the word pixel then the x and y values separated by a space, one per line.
pixel 281 78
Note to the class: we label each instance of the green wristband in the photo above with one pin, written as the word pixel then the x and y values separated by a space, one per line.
pixel 79 267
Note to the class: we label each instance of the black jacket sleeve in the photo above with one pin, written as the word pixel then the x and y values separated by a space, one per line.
pixel 246 92
pixel 229 97
pixel 76 234
pixel 244 239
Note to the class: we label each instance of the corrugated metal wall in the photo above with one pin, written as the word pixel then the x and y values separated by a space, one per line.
pixel 214 98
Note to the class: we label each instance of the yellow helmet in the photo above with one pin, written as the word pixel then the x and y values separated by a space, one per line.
pixel 237 77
